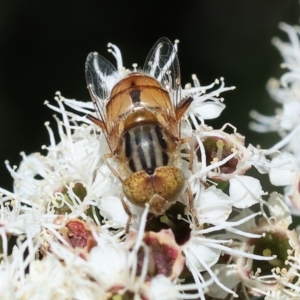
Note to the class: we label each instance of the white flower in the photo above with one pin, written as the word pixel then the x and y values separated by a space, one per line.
pixel 271 237
pixel 72 201
pixel 205 106
pixel 121 269
pixel 285 91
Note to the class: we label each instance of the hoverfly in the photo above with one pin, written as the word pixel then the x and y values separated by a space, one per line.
pixel 140 118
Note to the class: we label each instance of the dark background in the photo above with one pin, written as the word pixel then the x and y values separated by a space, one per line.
pixel 44 44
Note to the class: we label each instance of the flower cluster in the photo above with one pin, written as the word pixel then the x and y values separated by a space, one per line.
pixel 286 92
pixel 68 231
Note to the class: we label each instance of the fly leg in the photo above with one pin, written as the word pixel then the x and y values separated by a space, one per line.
pixel 191 151
pixel 122 197
pixel 192 204
pixel 113 170
pixel 129 213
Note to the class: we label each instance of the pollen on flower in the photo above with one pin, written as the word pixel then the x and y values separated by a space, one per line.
pixel 267 252
pixel 214 160
pixel 220 145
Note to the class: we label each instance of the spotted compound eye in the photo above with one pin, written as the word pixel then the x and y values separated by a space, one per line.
pixel 166 182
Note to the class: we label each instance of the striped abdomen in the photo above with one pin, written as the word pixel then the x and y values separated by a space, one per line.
pixel 147 147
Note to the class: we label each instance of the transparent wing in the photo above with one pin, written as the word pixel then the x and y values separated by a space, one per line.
pixel 101 76
pixel 162 63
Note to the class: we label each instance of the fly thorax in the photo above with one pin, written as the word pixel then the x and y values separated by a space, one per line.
pixel 146 147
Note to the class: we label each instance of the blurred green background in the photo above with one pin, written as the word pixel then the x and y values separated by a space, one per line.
pixel 44 44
